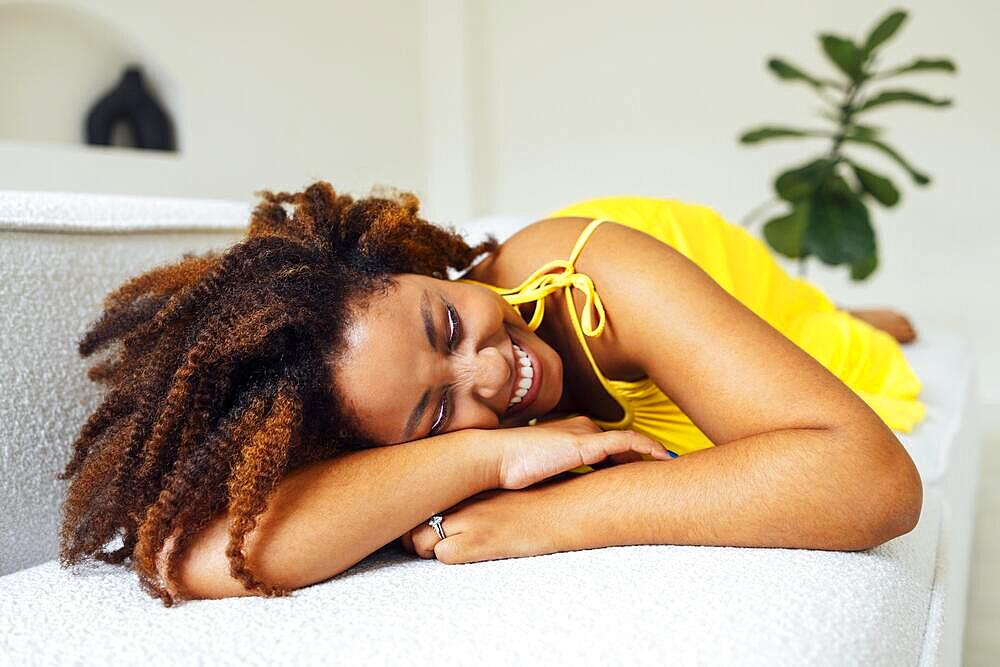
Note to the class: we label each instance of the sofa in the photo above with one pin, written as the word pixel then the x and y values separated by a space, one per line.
pixel 901 603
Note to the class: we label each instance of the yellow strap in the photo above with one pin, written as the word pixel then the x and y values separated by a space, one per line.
pixel 584 235
pixel 541 283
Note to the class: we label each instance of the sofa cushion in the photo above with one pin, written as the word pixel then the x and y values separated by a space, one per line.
pixel 59 255
pixel 647 604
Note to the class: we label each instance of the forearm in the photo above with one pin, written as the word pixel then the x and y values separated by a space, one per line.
pixel 327 516
pixel 793 488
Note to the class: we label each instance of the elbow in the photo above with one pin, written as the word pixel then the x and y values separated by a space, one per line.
pixel 912 500
pixel 207 577
pixel 893 498
pixel 203 571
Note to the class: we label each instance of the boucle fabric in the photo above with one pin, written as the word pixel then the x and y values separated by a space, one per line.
pixel 68 211
pixel 650 604
pixel 51 285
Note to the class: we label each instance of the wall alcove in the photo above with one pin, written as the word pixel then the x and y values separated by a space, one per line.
pixel 56 61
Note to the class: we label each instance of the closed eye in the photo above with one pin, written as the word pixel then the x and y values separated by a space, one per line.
pixel 443 413
pixel 455 329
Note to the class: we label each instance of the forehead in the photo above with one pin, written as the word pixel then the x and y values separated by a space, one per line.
pixel 380 374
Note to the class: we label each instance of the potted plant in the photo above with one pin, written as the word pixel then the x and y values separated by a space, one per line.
pixel 826 199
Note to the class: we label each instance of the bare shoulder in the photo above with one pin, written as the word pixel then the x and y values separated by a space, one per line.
pixel 611 256
pixel 521 254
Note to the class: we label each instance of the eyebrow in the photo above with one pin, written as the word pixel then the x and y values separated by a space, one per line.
pixel 431 330
pixel 417 415
pixel 428 317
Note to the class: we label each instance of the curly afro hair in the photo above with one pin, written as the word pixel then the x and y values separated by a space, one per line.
pixel 221 380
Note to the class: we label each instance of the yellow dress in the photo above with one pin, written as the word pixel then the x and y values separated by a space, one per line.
pixel 866 359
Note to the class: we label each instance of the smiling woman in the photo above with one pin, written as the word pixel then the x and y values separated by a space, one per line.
pixel 279 411
pixel 221 383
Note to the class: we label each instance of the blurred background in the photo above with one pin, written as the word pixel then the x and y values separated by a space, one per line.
pixel 519 107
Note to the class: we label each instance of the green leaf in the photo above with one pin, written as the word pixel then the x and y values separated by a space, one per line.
pixel 785 233
pixel 801 182
pixel 765 133
pixel 889 96
pixel 886 28
pixel 829 115
pixel 839 229
pixel 918 177
pixel 866 131
pixel 836 185
pixel 921 65
pixel 788 72
pixel 878 186
pixel 844 54
pixel 862 268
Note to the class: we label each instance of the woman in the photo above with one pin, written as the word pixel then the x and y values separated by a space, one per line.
pixel 279 411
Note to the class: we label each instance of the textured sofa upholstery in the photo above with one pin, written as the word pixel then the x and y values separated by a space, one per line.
pixel 901 603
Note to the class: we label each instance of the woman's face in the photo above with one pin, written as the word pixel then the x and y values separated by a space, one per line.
pixel 433 356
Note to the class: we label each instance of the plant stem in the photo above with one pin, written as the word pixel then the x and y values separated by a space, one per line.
pixel 846 116
pixel 748 218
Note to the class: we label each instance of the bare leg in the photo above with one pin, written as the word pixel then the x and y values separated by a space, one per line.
pixel 892 322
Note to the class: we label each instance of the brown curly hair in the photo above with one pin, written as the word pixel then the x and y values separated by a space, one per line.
pixel 222 380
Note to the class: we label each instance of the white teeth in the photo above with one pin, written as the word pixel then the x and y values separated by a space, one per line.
pixel 525 371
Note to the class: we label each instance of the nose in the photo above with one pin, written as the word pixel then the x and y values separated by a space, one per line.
pixel 490 372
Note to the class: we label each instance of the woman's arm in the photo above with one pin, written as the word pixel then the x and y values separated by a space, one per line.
pixel 325 517
pixel 779 489
pixel 768 490
pixel 801 459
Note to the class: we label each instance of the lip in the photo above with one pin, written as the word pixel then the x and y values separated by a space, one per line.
pixel 536 383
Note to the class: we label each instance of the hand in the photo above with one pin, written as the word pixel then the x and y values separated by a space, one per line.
pixel 493 524
pixel 529 454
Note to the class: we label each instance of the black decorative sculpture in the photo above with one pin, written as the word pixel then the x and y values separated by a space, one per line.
pixel 131 103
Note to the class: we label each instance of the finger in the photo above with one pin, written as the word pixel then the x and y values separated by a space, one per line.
pixel 625 457
pixel 406 540
pixel 643 444
pixel 629 442
pixel 456 549
pixel 424 538
pixel 602 445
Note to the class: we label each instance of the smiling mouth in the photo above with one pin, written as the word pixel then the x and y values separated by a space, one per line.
pixel 527 381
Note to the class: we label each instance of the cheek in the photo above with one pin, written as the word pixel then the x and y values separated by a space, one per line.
pixel 555 368
pixel 473 414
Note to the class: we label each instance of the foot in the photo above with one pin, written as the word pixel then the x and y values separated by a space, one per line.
pixel 893 323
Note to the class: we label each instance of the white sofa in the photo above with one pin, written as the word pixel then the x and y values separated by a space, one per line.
pixel 901 603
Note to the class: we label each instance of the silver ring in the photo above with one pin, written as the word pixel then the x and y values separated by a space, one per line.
pixel 435 523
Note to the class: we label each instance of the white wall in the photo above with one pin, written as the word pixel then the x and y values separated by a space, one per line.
pixel 268 95
pixel 598 98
